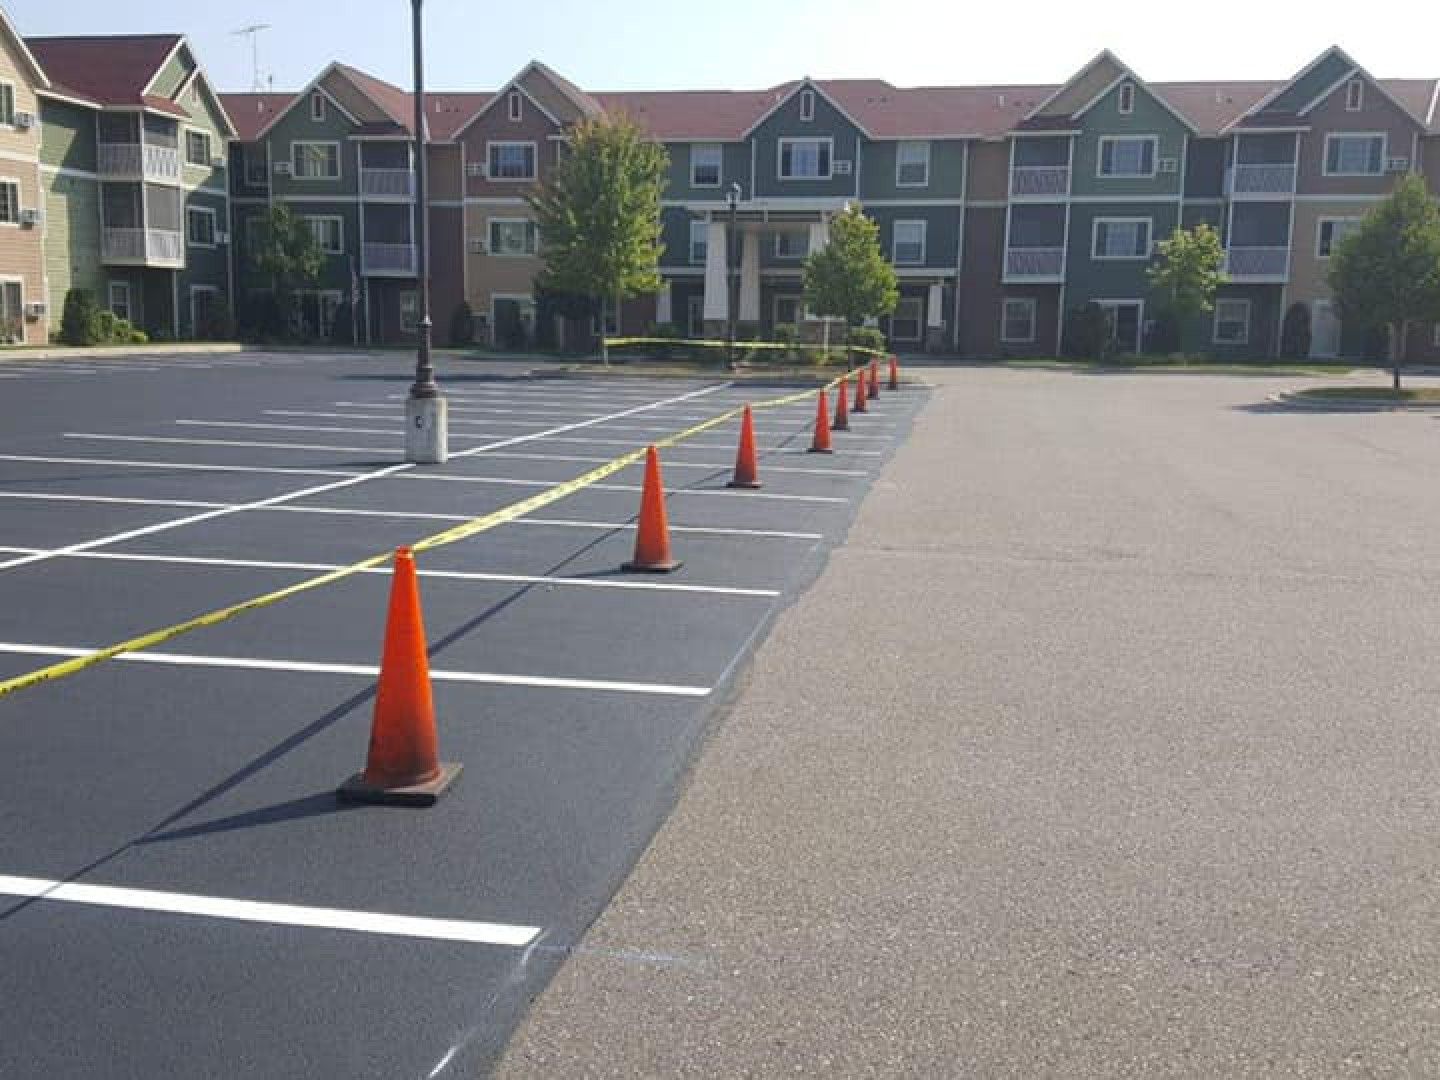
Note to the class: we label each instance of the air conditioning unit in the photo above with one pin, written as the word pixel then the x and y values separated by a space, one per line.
pixel 475 168
pixel 35 310
pixel 477 246
pixel 843 168
pixel 222 237
pixel 282 168
pixel 24 120
pixel 1397 164
pixel 29 217
pixel 218 162
pixel 1169 164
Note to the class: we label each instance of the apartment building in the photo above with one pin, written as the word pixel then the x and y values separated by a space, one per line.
pixel 22 252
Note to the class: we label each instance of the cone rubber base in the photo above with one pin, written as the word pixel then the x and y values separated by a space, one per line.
pixel 355 790
pixel 820 450
pixel 652 568
pixel 749 485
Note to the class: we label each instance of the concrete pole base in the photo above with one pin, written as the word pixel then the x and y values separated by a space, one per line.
pixel 427 431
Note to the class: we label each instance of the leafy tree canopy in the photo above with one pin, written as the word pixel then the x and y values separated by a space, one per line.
pixel 850 278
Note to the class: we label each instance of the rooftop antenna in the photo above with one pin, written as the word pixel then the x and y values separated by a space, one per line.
pixel 257 79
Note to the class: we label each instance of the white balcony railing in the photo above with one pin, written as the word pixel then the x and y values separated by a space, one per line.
pixel 1263 179
pixel 1023 263
pixel 387 182
pixel 389 258
pixel 1245 263
pixel 1039 180
pixel 126 160
pixel 143 246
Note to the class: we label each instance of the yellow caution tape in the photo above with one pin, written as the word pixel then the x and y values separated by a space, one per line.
pixel 479 525
pixel 741 345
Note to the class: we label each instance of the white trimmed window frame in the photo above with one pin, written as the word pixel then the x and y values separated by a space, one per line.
pixel 11 203
pixel 317 107
pixel 1126 102
pixel 1335 136
pixel 1320 252
pixel 1098 256
pixel 17 317
pixel 204 212
pixel 1029 305
pixel 900 163
pixel 209 155
pixel 784 236
pixel 515 106
pixel 1220 304
pixel 312 220
pixel 1355 95
pixel 529 247
pixel 826 140
pixel 807 105
pixel 7 103
pixel 919 320
pixel 495 145
pixel 295 157
pixel 719 163
pixel 699 241
pixel 922 225
pixel 118 300
pixel 1101 174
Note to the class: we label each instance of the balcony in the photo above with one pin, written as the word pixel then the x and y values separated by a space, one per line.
pixel 387 183
pixel 143 247
pixel 389 260
pixel 1034 264
pixel 1039 181
pixel 1261 180
pixel 139 161
pixel 1258 263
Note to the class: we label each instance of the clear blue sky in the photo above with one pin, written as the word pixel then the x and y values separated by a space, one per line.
pixel 666 44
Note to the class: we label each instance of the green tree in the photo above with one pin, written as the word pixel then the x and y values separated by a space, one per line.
pixel 599 215
pixel 849 278
pixel 1187 272
pixel 287 253
pixel 1386 274
pixel 80 322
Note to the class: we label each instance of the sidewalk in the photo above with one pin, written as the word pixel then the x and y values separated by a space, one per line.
pixel 1064 767
pixel 72 352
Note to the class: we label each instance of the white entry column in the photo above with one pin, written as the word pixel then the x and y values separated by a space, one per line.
pixel 750 278
pixel 717 294
pixel 935 306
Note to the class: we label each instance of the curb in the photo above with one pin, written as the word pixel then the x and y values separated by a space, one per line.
pixel 1292 401
pixel 89 353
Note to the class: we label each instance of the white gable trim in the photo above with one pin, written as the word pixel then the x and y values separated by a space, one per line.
pixel 42 81
pixel 1260 106
pixel 198 75
pixel 1373 84
pixel 1103 54
pixel 804 84
pixel 304 95
pixel 1126 75
pixel 149 86
pixel 514 85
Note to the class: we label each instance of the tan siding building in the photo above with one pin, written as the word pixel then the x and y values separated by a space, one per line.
pixel 24 311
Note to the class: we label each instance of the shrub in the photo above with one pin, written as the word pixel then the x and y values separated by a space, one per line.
pixel 1162 336
pixel 78 323
pixel 787 334
pixel 106 325
pixel 462 325
pixel 1295 333
pixel 138 337
pixel 866 337
pixel 1087 333
pixel 667 332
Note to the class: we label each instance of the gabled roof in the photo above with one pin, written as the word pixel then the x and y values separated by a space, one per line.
pixel 697 115
pixel 395 103
pixel 252 114
pixel 8 31
pixel 786 91
pixel 1043 115
pixel 108 70
pixel 1411 96
pixel 1212 106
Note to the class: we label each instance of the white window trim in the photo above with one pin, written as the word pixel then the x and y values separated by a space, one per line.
pixel 704 226
pixel 1139 318
pixel 719 166
pixel 317 116
pixel 295 173
pixel 1154 140
pixel 780 158
pixel 1384 151
pixel 1320 224
pixel 11 279
pixel 807 106
pixel 782 234
pixel 1126 102
pixel 214 226
pixel 775 302
pixel 1355 84
pixel 515 107
pixel 895 244
pixel 534 161
pixel 1029 302
pixel 490 238
pixel 209 147
pixel 15 182
pixel 913 183
pixel 14 100
pixel 123 286
pixel 339 230
pixel 1215 338
pixel 1095 255
pixel 919 319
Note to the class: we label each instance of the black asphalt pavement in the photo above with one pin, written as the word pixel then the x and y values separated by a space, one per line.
pixel 136 493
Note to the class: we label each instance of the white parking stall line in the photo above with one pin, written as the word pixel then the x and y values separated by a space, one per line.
pixel 40 496
pixel 671 464
pixel 254 911
pixel 177 466
pixel 238 443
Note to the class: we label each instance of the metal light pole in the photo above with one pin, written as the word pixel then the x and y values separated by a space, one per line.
pixel 426 428
pixel 732 282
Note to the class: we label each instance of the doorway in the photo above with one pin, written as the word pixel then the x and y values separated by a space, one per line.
pixel 1324 331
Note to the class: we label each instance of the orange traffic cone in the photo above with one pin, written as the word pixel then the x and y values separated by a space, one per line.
pixel 821 442
pixel 874 378
pixel 652 539
pixel 403 767
pixel 747 471
pixel 842 408
pixel 860 392
pixel 894 373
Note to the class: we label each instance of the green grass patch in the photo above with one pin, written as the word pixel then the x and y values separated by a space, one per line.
pixel 1371 395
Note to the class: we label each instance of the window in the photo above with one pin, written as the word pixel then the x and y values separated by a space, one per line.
pixel 409 312
pixel 257 167
pixel 1127 155
pixel 197 148
pixel 1017 323
pixel 200 226
pixel 912 164
pixel 9 202
pixel 12 311
pixel 905 323
pixel 807 105
pixel 792 245
pixel 1127 98
pixel 699 240
pixel 315 160
pixel 1121 238
pixel 512 236
pixel 805 159
pixel 1354 95
pixel 1232 322
pixel 788 310
pixel 329 233
pixel 511 160
pixel 1354 155
pixel 515 105
pixel 120 299
pixel 705 165
pixel 1331 231
pixel 317 106
pixel 908 246
pixel 7 104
